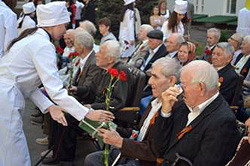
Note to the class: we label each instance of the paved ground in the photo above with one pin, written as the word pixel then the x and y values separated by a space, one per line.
pixel 33 131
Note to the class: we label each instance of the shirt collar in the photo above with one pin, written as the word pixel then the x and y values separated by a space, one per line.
pixel 172 54
pixel 83 61
pixel 203 105
pixel 156 49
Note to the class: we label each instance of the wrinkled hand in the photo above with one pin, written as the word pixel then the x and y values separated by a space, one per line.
pixel 247 123
pixel 72 89
pixel 169 97
pixel 111 137
pixel 57 115
pixel 100 115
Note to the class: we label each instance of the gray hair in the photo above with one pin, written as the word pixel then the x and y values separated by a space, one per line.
pixel 85 39
pixel 113 49
pixel 146 27
pixel 247 39
pixel 227 48
pixel 203 72
pixel 179 38
pixel 89 27
pixel 216 32
pixel 170 66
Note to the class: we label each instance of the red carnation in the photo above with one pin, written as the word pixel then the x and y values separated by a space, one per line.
pixel 123 76
pixel 72 55
pixel 221 79
pixel 59 50
pixel 208 52
pixel 114 72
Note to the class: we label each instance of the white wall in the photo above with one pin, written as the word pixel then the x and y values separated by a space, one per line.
pixel 212 7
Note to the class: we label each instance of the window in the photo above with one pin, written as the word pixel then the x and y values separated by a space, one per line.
pixel 197 6
pixel 202 6
pixel 231 6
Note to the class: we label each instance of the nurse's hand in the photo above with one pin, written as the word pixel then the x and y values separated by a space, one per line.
pixel 57 115
pixel 100 115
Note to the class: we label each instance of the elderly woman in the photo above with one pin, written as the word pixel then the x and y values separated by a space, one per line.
pixel 235 40
pixel 30 62
pixel 186 53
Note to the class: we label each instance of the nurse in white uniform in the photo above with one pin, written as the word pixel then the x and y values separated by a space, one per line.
pixel 26 21
pixel 8 26
pixel 30 61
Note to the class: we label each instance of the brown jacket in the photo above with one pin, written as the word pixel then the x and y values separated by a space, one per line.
pixel 144 150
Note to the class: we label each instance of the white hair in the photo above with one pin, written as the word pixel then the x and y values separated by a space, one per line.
pixel 204 72
pixel 113 49
pixel 216 32
pixel 247 39
pixel 227 48
pixel 89 27
pixel 146 27
pixel 85 39
pixel 169 66
pixel 179 38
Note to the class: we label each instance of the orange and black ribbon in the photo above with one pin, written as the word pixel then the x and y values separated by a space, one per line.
pixel 184 131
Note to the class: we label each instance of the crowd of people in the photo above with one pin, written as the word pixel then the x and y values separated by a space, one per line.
pixel 193 107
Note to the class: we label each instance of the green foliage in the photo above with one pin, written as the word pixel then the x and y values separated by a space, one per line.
pixel 111 9
pixel 225 34
pixel 145 7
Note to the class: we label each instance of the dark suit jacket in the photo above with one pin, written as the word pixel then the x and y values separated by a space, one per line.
pixel 144 150
pixel 245 68
pixel 89 72
pixel 228 79
pixel 211 142
pixel 159 54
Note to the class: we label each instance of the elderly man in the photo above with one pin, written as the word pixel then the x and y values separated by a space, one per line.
pixel 92 93
pixel 173 44
pixel 228 78
pixel 200 130
pixel 91 29
pixel 235 40
pixel 242 64
pixel 156 49
pixel 164 74
pixel 213 37
pixel 142 47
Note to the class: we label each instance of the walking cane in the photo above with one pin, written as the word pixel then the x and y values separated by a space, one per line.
pixel 50 149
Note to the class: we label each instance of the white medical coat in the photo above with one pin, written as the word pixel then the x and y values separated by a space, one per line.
pixel 27 23
pixel 30 62
pixel 8 27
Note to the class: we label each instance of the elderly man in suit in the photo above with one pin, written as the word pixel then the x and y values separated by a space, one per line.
pixel 141 48
pixel 200 130
pixel 164 74
pixel 213 37
pixel 228 78
pixel 173 43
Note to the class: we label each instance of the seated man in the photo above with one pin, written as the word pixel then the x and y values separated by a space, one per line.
pixel 228 78
pixel 173 44
pixel 164 74
pixel 104 28
pixel 213 37
pixel 107 58
pixel 141 48
pixel 201 130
